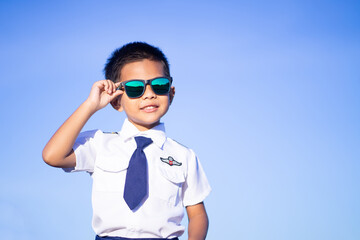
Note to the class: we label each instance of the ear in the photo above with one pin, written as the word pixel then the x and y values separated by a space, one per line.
pixel 116 104
pixel 172 94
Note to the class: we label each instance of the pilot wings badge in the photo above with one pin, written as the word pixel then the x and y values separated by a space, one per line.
pixel 171 161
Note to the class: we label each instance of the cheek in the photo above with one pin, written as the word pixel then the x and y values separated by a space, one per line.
pixel 167 99
pixel 128 104
pixel 165 103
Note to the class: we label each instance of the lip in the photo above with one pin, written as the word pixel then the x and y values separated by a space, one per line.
pixel 149 108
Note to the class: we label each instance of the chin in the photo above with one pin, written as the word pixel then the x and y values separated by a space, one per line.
pixel 145 125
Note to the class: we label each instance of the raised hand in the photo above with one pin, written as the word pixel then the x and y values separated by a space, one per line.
pixel 58 151
pixel 102 93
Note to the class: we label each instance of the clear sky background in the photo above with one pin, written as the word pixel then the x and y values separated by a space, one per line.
pixel 267 94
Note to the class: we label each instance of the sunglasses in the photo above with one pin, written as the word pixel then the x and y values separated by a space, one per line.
pixel 136 88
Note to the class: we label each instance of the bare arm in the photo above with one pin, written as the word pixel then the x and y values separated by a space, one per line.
pixel 58 151
pixel 198 222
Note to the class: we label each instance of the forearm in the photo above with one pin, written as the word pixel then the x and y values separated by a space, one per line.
pixel 198 226
pixel 60 145
pixel 198 222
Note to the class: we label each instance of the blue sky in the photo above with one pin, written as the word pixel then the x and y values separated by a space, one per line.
pixel 267 94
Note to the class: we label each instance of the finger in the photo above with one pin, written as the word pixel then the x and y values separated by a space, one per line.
pixel 99 84
pixel 111 86
pixel 105 85
pixel 114 86
pixel 119 92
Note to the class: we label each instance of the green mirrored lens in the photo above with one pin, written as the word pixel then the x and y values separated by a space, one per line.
pixel 134 89
pixel 160 86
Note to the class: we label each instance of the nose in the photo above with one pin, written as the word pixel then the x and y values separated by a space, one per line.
pixel 149 93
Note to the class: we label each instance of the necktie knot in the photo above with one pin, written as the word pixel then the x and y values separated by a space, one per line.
pixel 142 142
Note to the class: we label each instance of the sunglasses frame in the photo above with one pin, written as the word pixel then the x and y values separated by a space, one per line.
pixel 146 82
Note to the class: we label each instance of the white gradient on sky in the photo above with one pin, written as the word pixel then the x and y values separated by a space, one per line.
pixel 267 94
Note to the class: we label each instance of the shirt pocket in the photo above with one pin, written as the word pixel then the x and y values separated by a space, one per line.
pixel 109 175
pixel 171 181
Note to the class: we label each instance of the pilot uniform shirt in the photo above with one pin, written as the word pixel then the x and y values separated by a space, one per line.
pixel 175 176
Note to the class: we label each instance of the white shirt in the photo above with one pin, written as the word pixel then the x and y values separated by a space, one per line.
pixel 176 179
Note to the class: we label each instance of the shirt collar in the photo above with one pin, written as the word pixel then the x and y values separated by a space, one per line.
pixel 157 133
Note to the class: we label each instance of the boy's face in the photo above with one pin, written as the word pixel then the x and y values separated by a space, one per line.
pixel 145 111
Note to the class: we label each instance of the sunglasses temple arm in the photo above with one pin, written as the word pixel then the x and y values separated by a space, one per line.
pixel 119 87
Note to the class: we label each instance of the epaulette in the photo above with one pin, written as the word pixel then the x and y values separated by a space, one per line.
pixel 180 143
pixel 111 133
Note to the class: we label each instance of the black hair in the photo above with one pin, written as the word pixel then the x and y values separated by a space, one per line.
pixel 133 52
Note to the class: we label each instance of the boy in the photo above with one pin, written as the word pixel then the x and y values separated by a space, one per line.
pixel 141 178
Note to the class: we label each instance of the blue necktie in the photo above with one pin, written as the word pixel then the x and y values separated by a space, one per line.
pixel 136 184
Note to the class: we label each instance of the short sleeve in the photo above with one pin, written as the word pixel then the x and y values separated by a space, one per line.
pixel 85 148
pixel 196 187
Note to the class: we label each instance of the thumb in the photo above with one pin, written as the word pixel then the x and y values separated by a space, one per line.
pixel 116 94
